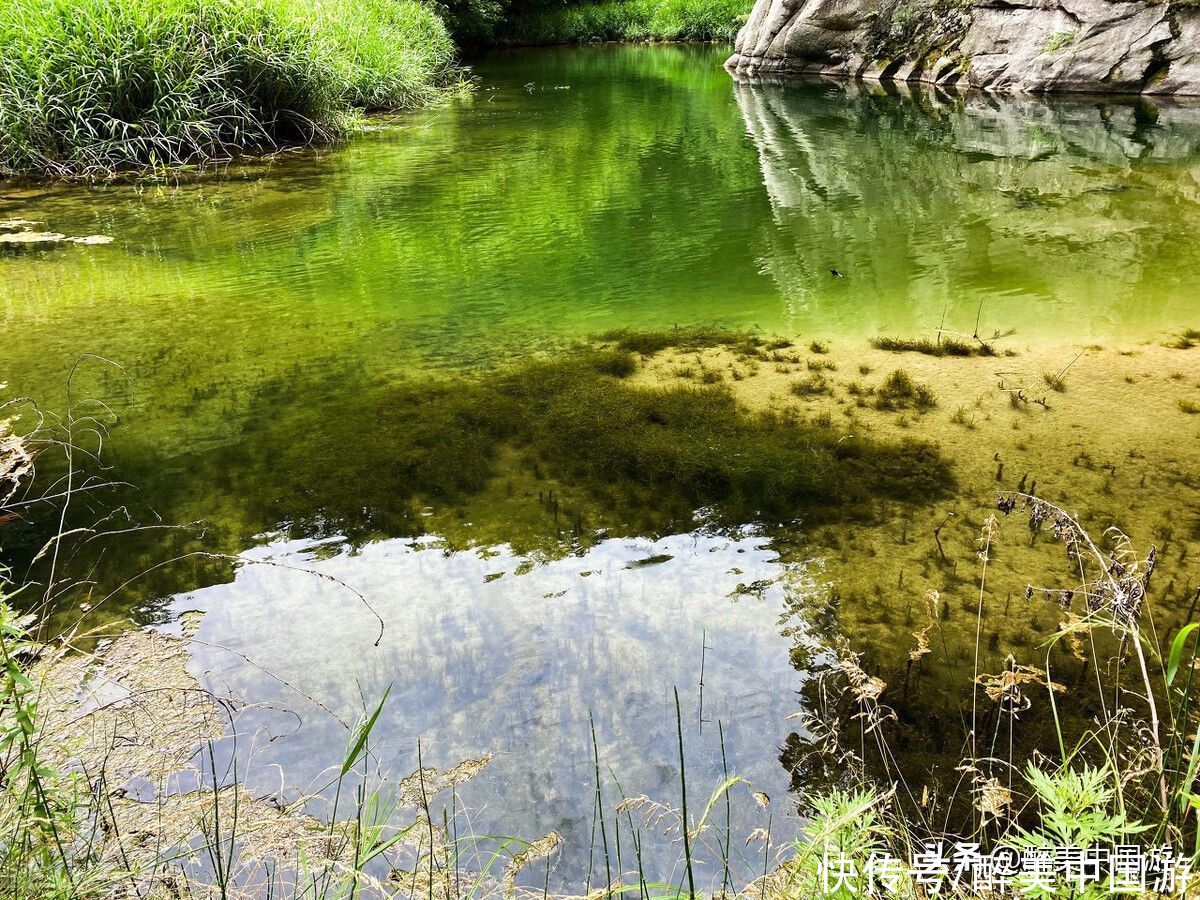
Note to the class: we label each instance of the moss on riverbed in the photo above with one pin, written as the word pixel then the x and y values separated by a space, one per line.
pixel 1102 431
pixel 598 449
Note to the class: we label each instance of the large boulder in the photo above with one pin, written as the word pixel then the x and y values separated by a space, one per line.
pixel 1126 46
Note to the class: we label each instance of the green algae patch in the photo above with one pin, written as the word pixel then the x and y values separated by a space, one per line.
pixel 571 440
pixel 697 337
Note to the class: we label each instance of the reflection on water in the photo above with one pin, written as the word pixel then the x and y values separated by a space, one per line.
pixel 489 651
pixel 1057 218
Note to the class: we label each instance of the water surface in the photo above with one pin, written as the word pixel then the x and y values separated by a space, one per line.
pixel 577 191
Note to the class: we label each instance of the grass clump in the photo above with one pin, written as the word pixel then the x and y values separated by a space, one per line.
pixel 1186 339
pixel 942 347
pixel 899 391
pixel 812 386
pixel 93 87
pixel 1055 381
pixel 1189 407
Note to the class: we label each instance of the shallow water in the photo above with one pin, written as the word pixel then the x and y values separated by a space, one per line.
pixel 587 189
pixel 490 650
pixel 577 191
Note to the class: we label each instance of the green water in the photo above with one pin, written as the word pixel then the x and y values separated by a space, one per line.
pixel 581 190
pixel 258 328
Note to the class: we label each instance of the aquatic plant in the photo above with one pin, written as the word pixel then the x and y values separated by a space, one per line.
pixel 1186 339
pixel 573 423
pixel 1055 381
pixel 812 386
pixel 648 342
pixel 91 87
pixel 900 391
pixel 946 346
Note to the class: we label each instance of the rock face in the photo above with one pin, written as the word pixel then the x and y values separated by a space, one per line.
pixel 1122 46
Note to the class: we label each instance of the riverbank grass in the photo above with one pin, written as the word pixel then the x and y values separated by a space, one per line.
pixel 93 87
pixel 630 20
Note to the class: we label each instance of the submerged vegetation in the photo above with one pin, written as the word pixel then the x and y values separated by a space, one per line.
pixel 900 391
pixel 656 452
pixel 91 87
pixel 69 830
pixel 944 346
pixel 647 342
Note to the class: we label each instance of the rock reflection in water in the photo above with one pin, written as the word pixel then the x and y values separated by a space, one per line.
pixel 1050 213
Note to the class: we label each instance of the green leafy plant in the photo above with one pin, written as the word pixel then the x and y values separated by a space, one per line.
pixel 1060 40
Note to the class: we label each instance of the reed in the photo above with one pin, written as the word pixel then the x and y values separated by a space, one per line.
pixel 94 87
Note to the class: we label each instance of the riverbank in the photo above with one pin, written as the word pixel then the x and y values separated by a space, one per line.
pixel 95 87
pixel 625 20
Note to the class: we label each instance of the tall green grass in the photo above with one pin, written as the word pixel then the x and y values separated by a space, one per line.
pixel 95 86
pixel 623 20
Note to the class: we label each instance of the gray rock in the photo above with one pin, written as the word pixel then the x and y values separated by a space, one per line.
pixel 1028 46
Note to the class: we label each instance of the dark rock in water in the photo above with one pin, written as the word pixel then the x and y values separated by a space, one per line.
pixel 655 560
pixel 1108 46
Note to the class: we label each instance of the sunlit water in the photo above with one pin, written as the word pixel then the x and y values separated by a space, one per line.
pixel 577 191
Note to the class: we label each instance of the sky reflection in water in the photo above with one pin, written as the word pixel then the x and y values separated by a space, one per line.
pixel 513 665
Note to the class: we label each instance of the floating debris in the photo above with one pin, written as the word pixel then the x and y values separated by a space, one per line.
pixel 754 588
pixel 32 237
pixel 19 234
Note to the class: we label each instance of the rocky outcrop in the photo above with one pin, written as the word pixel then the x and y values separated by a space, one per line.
pixel 1124 46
